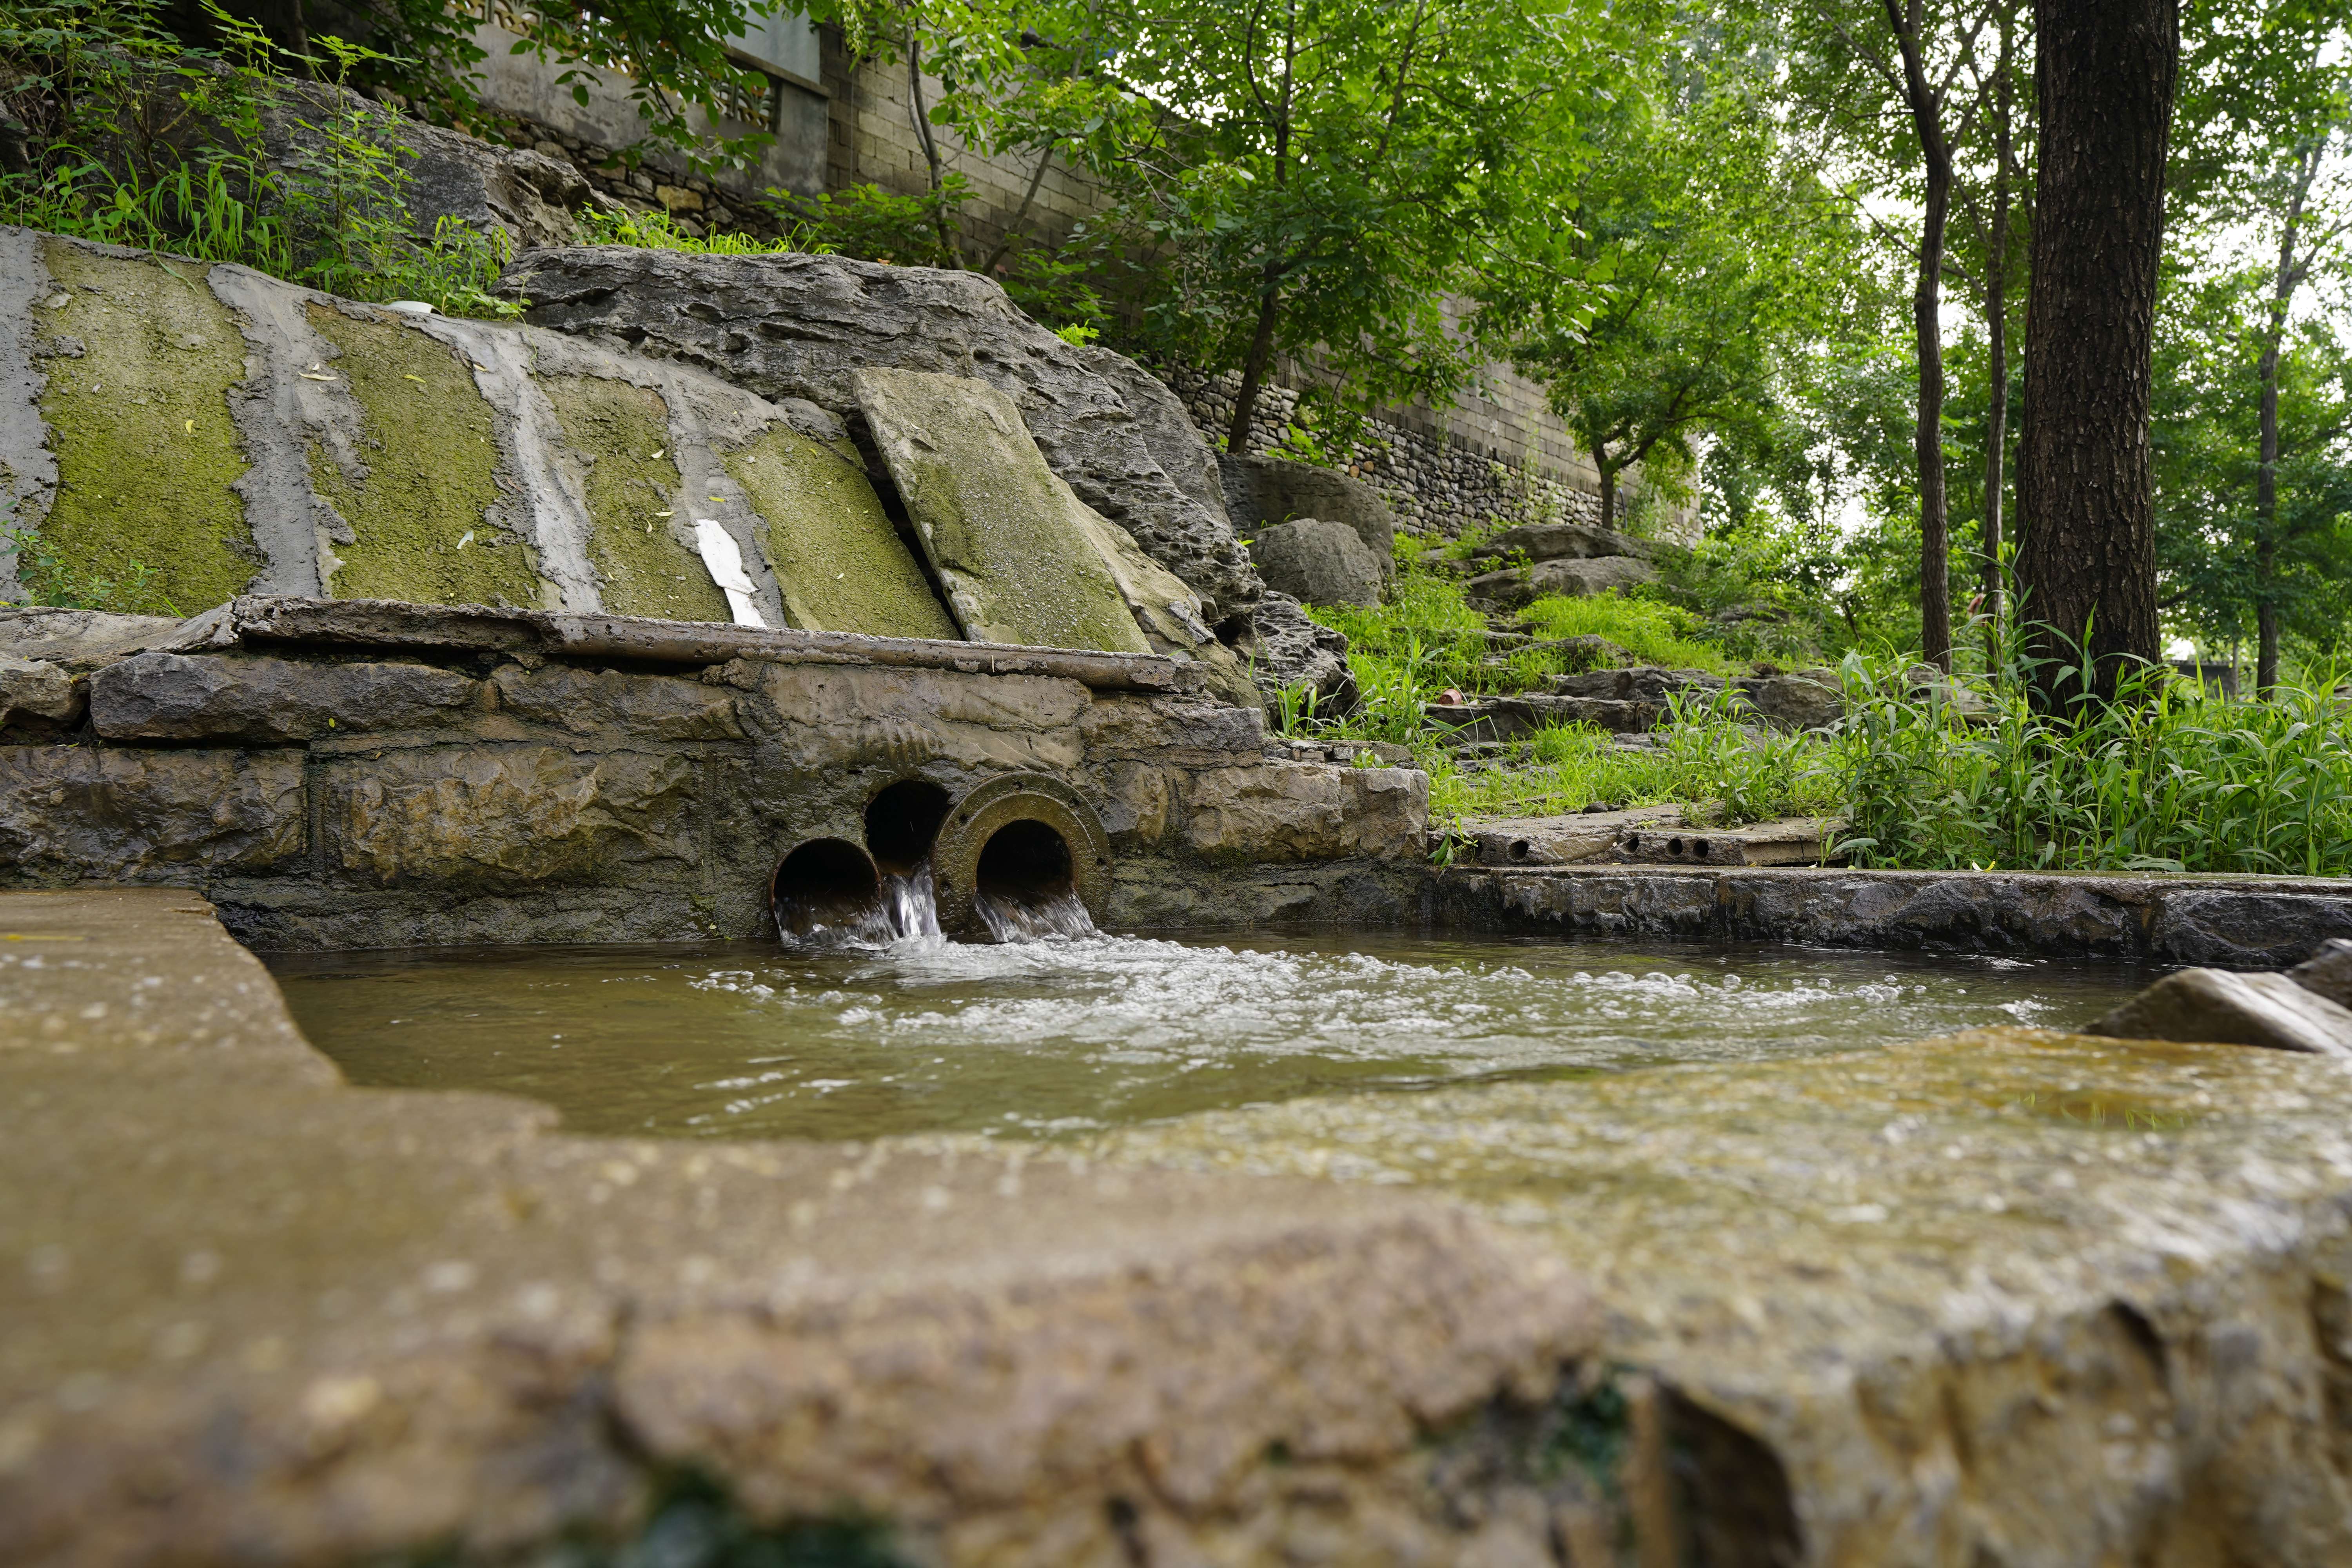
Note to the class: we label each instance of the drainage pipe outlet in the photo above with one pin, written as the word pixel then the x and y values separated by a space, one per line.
pixel 1021 855
pixel 826 892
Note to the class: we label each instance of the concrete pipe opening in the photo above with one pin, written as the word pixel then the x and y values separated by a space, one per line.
pixel 902 822
pixel 825 893
pixel 1022 856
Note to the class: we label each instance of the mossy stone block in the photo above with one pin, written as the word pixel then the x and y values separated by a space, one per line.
pixel 140 361
pixel 837 558
pixel 644 561
pixel 421 512
pixel 1003 529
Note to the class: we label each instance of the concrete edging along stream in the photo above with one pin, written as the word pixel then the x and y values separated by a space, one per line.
pixel 2226 921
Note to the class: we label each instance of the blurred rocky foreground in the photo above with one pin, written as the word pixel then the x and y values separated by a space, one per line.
pixel 2014 1298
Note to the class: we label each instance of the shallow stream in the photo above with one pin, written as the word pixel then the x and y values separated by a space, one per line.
pixel 1064 1037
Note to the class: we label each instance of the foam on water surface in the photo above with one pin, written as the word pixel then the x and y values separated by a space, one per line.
pixel 1071 1034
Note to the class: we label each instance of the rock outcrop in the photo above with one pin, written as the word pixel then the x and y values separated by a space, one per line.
pixel 1287 651
pixel 1260 491
pixel 1571 577
pixel 796 326
pixel 1563 541
pixel 1316 562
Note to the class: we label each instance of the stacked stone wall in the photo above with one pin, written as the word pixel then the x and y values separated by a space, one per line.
pixel 1437 480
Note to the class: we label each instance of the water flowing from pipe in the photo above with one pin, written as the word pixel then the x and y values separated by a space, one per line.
pixel 1009 920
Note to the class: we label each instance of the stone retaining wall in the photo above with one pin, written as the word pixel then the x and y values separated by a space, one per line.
pixel 377 774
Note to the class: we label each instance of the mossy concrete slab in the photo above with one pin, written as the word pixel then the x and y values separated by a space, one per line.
pixel 138 359
pixel 644 558
pixel 1001 530
pixel 838 559
pixel 420 513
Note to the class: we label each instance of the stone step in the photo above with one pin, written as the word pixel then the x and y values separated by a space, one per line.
pixel 1656 835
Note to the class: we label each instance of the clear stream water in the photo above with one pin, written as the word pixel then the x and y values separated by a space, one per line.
pixel 1070 1036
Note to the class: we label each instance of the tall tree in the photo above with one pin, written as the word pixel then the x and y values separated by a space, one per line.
pixel 2105 76
pixel 1329 171
pixel 2304 238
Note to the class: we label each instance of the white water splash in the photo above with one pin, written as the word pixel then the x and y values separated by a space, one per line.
pixel 1060 916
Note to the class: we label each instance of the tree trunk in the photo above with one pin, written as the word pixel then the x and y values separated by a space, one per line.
pixel 2105 72
pixel 2266 540
pixel 1926 324
pixel 1261 354
pixel 1996 349
pixel 1608 486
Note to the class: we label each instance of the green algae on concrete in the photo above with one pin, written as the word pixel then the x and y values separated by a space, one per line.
pixel 421 512
pixel 633 485
pixel 1001 528
pixel 144 520
pixel 840 563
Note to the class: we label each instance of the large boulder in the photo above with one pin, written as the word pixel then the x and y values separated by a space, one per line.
pixel 1261 490
pixel 1514 588
pixel 795 326
pixel 2226 1008
pixel 1316 561
pixel 1563 541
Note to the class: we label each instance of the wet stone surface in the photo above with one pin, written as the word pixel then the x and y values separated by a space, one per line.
pixel 2006 1297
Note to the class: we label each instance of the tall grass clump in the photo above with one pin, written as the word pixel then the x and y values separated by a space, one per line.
pixel 2164 778
pixel 130 138
pixel 1710 757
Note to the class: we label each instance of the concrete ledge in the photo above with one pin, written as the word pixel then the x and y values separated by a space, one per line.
pixel 2226 921
pixel 253 1316
pixel 475 629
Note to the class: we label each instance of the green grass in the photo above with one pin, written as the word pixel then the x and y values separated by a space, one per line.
pixel 2163 779
pixel 658 231
pixel 1653 632
pixel 1708 762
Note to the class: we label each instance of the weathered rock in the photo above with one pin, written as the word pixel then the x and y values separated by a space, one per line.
pixel 1285 812
pixel 2228 1009
pixel 1166 430
pixel 1565 840
pixel 271 1318
pixel 1649 683
pixel 1167 612
pixel 1808 700
pixel 1968 1298
pixel 1263 491
pixel 1003 530
pixel 531 197
pixel 1291 650
pixel 1515 587
pixel 1516 718
pixel 326 448
pixel 623 708
pixel 798 326
pixel 1316 562
pixel 2327 973
pixel 459 818
pixel 80 640
pixel 1563 541
pixel 68 812
pixel 171 697
pixel 30 688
